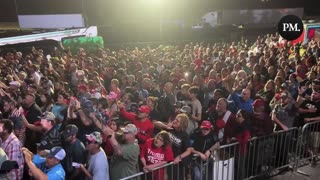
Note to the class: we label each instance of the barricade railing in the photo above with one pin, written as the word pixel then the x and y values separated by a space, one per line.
pixel 309 143
pixel 270 154
pixel 261 157
pixel 154 174
pixel 169 171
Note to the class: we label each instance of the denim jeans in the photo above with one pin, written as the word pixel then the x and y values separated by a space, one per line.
pixel 197 171
pixel 202 171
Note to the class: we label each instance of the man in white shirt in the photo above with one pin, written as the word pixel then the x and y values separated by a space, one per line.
pixel 196 105
pixel 98 166
pixel 35 75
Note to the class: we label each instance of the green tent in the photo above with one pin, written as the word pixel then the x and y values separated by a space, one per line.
pixel 90 44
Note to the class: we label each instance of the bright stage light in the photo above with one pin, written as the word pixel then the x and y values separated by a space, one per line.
pixel 153 2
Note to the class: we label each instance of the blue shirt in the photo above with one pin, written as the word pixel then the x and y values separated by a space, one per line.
pixel 240 104
pixel 59 110
pixel 55 173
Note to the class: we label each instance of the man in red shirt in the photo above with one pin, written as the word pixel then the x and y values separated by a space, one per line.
pixel 141 121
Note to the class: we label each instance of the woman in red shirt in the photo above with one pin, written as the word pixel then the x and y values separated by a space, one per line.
pixel 156 152
pixel 242 135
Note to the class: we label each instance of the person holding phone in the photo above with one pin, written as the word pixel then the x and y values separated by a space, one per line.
pixel 98 165
pixel 75 153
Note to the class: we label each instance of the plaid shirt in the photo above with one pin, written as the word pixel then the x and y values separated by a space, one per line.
pixel 12 147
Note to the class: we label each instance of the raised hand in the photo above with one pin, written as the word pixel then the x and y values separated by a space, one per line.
pixel 120 104
pixel 28 155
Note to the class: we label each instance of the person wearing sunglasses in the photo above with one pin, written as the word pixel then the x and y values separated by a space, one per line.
pixel 75 152
pixel 284 113
pixel 98 166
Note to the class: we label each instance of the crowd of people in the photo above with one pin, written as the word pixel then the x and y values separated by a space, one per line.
pixel 113 114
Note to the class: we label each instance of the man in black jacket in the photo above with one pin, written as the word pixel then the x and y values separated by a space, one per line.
pixel 203 143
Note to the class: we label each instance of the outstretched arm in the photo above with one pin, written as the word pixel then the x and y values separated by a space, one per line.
pixel 35 171
pixel 31 126
pixel 312 119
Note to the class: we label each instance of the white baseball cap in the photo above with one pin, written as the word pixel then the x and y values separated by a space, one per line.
pixel 15 83
pixel 57 152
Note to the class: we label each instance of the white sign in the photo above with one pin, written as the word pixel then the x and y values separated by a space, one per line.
pixel 223 169
pixel 56 35
pixel 51 21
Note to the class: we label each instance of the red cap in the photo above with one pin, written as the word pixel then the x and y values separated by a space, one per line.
pixel 206 124
pixel 82 87
pixel 144 109
pixel 258 103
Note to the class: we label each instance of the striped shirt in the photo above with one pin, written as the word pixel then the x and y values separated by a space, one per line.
pixel 12 147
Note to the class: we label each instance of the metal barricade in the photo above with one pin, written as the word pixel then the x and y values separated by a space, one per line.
pixel 224 162
pixel 309 143
pixel 270 154
pixel 158 173
pixel 261 157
